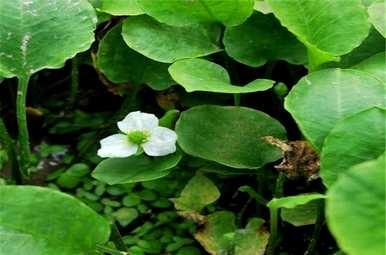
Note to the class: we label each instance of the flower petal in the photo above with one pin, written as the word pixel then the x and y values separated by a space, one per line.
pixel 116 146
pixel 162 142
pixel 138 121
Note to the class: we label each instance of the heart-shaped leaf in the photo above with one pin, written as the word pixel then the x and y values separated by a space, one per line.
pixel 377 12
pixel 135 168
pixel 183 13
pixel 252 240
pixel 42 34
pixel 47 222
pixel 375 65
pixel 203 75
pixel 328 28
pixel 119 7
pixel 167 44
pixel 320 99
pixel 253 43
pixel 121 64
pixel 213 133
pixel 199 192
pixel 358 138
pixel 213 235
pixel 355 208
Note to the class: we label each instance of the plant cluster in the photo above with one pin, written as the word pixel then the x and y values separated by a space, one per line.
pixel 235 127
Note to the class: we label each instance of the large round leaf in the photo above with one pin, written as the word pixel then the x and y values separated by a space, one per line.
pixel 167 44
pixel 203 75
pixel 328 28
pixel 377 12
pixel 121 64
pixel 320 99
pixel 231 136
pixel 38 34
pixel 135 168
pixel 358 138
pixel 355 209
pixel 253 43
pixel 47 222
pixel 183 13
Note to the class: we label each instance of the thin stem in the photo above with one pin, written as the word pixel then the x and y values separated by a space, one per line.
pixel 9 146
pixel 74 82
pixel 116 237
pixel 274 217
pixel 110 251
pixel 317 229
pixel 25 152
pixel 237 99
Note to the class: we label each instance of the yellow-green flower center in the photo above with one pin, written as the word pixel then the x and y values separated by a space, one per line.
pixel 138 137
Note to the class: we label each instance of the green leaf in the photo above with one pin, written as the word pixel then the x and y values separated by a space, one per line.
pixel 328 28
pixel 213 133
pixel 377 11
pixel 375 65
pixel 301 215
pixel 293 201
pixel 185 13
pixel 47 222
pixel 358 138
pixel 167 44
pixel 253 43
pixel 198 193
pixel 213 236
pixel 121 64
pixel 355 209
pixel 320 99
pixel 135 168
pixel 42 34
pixel 203 75
pixel 252 240
pixel 120 7
pixel 372 45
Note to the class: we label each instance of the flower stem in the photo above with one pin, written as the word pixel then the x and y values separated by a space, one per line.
pixel 25 152
pixel 317 229
pixel 74 82
pixel 9 146
pixel 274 239
pixel 116 237
pixel 110 251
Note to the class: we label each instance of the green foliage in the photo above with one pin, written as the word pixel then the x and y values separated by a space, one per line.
pixel 341 92
pixel 119 7
pixel 222 74
pixel 199 192
pixel 377 16
pixel 121 64
pixel 210 132
pixel 311 22
pixel 356 208
pixel 135 168
pixel 203 75
pixel 38 219
pixel 184 13
pixel 36 30
pixel 253 43
pixel 353 140
pixel 167 44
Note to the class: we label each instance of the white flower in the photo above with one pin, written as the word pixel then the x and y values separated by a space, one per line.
pixel 140 130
